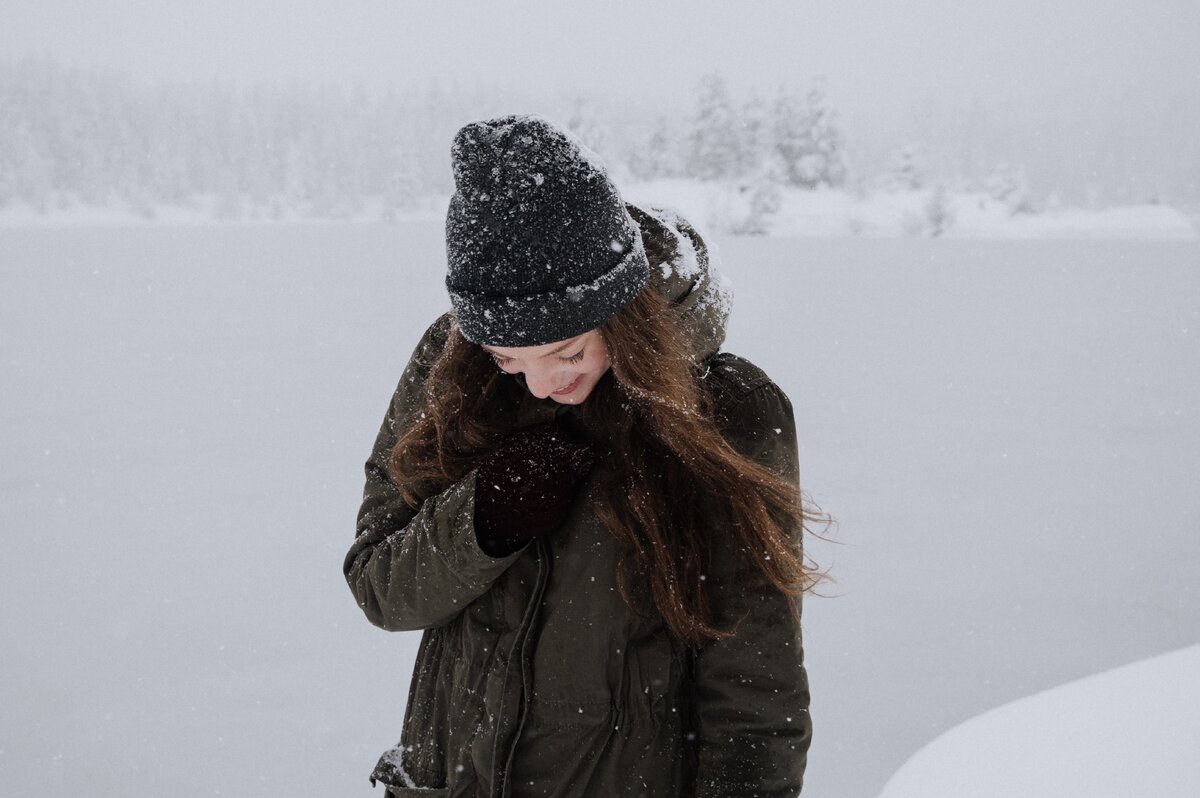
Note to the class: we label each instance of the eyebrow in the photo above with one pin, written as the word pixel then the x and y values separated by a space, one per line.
pixel 567 345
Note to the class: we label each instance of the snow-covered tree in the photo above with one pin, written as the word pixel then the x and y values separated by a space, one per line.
pixel 657 157
pixel 401 189
pixel 1010 186
pixel 586 122
pixel 714 145
pixel 753 135
pixel 764 200
pixel 938 212
pixel 906 172
pixel 808 144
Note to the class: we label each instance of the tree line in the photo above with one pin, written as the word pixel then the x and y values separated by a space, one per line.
pixel 72 137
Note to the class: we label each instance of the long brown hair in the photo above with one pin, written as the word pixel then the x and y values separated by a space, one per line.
pixel 658 418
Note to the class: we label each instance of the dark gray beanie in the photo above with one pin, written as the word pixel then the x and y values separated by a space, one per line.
pixel 540 245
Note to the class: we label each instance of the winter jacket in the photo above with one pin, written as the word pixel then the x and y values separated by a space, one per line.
pixel 533 677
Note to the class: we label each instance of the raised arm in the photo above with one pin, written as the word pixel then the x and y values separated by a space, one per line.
pixel 416 568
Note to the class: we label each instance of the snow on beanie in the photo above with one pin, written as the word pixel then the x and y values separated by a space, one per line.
pixel 539 243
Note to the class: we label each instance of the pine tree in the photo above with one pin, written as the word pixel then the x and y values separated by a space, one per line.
pixel 585 123
pixel 660 160
pixel 1009 186
pixel 828 150
pixel 714 143
pixel 938 212
pixel 402 185
pixel 753 134
pixel 32 184
pixel 808 143
pixel 906 173
pixel 656 158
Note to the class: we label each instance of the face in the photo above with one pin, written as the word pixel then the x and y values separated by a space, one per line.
pixel 565 371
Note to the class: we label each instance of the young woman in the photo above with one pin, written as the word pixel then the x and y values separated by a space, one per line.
pixel 593 514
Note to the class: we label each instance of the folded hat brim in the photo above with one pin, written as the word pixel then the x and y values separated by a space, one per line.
pixel 545 318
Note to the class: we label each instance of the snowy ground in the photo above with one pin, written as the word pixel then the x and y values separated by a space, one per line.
pixel 1008 433
pixel 1129 731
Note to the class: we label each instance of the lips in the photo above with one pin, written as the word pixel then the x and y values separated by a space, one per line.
pixel 569 388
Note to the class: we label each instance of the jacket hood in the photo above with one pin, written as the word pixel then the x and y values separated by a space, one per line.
pixel 682 269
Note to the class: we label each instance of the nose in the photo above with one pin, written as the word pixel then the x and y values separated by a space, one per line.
pixel 542 383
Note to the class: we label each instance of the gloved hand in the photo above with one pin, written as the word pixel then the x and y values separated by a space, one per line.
pixel 525 487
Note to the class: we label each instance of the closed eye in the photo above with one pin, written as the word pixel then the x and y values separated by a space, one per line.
pixel 502 361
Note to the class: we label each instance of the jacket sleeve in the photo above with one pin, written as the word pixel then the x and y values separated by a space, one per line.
pixel 415 568
pixel 751 689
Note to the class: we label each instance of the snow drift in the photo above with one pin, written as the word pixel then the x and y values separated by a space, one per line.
pixel 1131 731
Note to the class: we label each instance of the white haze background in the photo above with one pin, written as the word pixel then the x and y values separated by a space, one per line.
pixel 1008 432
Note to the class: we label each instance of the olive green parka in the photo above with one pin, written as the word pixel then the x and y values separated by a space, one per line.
pixel 533 677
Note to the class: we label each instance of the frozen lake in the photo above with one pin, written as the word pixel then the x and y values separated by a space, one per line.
pixel 1007 432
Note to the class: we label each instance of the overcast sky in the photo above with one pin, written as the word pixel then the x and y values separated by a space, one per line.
pixel 878 56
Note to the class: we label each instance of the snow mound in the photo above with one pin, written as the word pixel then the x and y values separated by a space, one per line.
pixel 1131 731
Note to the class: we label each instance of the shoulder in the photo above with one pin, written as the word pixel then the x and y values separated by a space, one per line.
pixel 427 350
pixel 732 380
pixel 432 343
pixel 751 411
pixel 409 393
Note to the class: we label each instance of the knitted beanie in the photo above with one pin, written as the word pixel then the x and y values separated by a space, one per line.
pixel 540 245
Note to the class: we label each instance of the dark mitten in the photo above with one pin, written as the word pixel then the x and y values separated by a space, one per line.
pixel 525 487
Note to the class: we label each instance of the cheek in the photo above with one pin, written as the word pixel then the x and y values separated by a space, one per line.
pixel 599 358
pixel 597 365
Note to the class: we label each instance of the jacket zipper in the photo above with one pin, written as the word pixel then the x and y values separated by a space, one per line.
pixel 500 778
pixel 687 707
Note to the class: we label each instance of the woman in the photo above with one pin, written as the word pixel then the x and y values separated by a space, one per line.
pixel 594 516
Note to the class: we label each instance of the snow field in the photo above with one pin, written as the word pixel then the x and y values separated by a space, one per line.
pixel 1007 433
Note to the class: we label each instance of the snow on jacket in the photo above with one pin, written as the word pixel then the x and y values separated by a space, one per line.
pixel 532 676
